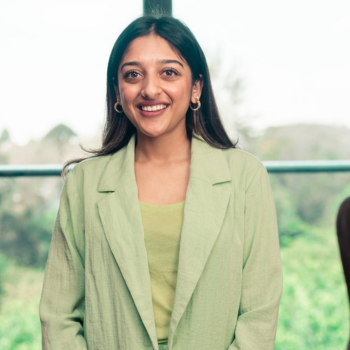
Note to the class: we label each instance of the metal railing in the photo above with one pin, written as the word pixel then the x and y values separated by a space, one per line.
pixel 306 166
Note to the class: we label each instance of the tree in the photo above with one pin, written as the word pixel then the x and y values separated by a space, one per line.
pixel 5 136
pixel 60 133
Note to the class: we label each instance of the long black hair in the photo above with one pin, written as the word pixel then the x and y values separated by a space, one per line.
pixel 118 129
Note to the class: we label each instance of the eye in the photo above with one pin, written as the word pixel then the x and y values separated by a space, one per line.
pixel 132 74
pixel 170 72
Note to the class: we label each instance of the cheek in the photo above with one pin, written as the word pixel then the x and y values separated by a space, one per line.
pixel 127 98
pixel 128 94
pixel 180 94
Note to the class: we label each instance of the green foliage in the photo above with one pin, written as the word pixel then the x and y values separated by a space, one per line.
pixel 27 216
pixel 314 307
pixel 3 267
pixel 289 222
pixel 26 236
pixel 19 318
pixel 20 326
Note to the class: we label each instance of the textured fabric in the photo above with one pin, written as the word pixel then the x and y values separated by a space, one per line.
pixel 97 291
pixel 162 228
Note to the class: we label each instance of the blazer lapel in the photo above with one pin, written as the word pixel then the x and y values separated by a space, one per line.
pixel 122 223
pixel 206 202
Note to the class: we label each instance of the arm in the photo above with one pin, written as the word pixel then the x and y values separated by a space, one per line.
pixel 62 300
pixel 262 270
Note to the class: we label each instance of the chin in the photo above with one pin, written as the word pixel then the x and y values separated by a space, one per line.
pixel 157 128
pixel 153 130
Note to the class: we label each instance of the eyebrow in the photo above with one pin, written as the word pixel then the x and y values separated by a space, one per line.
pixel 136 63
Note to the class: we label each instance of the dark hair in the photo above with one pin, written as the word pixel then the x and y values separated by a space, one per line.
pixel 118 129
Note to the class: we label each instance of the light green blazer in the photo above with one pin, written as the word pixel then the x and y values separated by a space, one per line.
pixel 97 292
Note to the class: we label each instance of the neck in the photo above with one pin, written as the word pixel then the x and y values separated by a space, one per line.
pixel 174 146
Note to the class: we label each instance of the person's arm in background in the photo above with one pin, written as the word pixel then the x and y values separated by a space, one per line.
pixel 262 270
pixel 343 233
pixel 62 301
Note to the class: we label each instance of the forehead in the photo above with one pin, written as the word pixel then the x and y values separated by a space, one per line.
pixel 150 48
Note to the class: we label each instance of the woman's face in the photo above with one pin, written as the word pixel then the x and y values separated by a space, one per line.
pixel 155 86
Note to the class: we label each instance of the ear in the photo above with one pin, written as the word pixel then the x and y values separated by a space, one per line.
pixel 197 89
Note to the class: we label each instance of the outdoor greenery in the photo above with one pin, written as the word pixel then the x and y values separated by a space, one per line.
pixel 19 320
pixel 314 305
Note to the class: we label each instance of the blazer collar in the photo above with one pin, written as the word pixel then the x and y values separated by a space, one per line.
pixel 206 203
pixel 207 164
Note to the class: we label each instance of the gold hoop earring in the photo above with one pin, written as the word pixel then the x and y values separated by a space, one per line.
pixel 198 105
pixel 116 107
pixel 196 116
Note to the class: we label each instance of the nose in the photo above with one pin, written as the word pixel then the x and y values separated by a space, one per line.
pixel 151 88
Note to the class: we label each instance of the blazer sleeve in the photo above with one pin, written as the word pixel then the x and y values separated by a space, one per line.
pixel 62 300
pixel 262 270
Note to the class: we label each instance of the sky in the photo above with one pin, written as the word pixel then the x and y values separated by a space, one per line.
pixel 292 56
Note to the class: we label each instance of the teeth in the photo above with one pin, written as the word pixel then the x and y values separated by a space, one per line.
pixel 153 108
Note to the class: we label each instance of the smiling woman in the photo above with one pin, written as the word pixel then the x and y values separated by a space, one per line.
pixel 167 237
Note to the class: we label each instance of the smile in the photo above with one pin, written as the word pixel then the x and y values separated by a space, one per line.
pixel 153 108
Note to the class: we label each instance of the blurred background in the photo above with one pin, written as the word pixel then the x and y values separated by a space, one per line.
pixel 281 75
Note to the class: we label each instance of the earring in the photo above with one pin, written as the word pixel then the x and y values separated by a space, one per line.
pixel 198 105
pixel 116 107
pixel 196 116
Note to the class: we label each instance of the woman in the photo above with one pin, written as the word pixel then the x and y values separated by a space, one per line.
pixel 168 238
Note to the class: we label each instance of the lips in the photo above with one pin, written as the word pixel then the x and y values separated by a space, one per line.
pixel 152 108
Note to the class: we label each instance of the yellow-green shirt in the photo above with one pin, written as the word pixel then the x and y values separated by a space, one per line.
pixel 162 227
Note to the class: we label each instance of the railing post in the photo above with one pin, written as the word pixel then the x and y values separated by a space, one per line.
pixel 157 6
pixel 343 232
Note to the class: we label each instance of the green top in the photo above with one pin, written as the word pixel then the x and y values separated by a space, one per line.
pixel 162 227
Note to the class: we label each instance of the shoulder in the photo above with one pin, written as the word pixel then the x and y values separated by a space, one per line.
pixel 242 161
pixel 240 158
pixel 244 166
pixel 90 167
pixel 238 161
pixel 86 174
